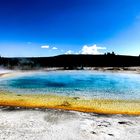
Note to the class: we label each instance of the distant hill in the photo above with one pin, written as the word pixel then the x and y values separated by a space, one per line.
pixel 71 61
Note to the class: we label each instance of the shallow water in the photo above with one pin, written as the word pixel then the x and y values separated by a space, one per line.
pixel 76 83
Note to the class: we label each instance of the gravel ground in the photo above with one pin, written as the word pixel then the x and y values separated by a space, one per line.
pixel 22 124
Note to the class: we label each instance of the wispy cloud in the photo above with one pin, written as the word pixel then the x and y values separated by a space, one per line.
pixel 54 48
pixel 94 49
pixel 45 47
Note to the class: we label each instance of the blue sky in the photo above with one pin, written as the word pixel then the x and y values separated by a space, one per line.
pixel 53 27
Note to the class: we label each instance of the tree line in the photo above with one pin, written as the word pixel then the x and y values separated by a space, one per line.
pixel 70 61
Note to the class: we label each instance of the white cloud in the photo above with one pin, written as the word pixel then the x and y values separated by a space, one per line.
pixel 69 52
pixel 54 48
pixel 94 49
pixel 45 47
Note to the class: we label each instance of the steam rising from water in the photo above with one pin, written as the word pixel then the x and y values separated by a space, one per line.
pixel 76 83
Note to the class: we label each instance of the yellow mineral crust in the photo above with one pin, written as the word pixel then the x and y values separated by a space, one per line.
pixel 101 106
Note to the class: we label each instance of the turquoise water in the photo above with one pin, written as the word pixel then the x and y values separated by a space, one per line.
pixel 76 83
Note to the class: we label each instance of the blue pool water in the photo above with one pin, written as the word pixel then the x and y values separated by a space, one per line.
pixel 76 83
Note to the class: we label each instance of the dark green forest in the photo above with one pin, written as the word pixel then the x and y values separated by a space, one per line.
pixel 70 61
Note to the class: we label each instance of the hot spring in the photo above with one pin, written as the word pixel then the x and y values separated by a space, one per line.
pixel 76 83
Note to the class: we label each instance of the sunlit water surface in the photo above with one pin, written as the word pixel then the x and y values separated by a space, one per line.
pixel 76 83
